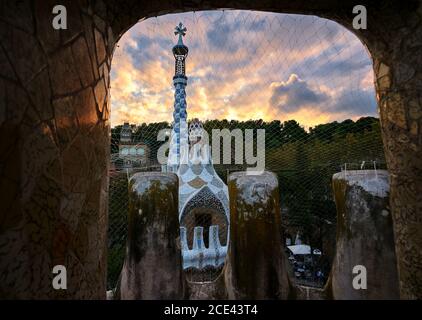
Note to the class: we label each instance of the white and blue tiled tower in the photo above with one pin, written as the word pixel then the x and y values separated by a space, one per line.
pixel 179 134
pixel 203 196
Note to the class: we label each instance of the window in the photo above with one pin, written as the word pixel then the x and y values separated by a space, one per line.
pixel 140 151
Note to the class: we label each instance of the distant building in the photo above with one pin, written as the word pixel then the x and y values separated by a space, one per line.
pixel 132 154
pixel 126 133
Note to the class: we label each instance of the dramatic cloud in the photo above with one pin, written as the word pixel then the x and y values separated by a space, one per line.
pixel 243 65
pixel 294 94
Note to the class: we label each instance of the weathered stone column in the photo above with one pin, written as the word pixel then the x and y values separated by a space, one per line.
pixel 255 267
pixel 54 150
pixel 364 236
pixel 398 66
pixel 153 264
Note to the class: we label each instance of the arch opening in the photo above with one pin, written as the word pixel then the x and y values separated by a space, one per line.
pixel 314 88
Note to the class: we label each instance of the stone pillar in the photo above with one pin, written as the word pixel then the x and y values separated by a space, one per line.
pixel 54 150
pixel 398 76
pixel 255 265
pixel 364 236
pixel 153 265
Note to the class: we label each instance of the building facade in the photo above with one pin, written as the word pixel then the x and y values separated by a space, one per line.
pixel 132 154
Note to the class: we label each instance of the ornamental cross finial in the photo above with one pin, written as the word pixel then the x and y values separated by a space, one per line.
pixel 181 31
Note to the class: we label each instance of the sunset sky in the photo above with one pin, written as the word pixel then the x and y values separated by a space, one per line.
pixel 243 65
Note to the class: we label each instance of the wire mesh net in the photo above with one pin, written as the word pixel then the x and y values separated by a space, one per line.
pixel 305 80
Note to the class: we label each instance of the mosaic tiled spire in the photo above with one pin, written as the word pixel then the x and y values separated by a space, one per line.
pixel 179 134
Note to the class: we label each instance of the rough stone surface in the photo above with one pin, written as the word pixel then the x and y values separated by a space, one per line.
pixel 215 290
pixel 255 264
pixel 66 175
pixel 153 264
pixel 310 293
pixel 364 236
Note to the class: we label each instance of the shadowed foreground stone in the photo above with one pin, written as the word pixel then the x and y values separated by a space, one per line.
pixel 310 293
pixel 215 290
pixel 364 236
pixel 153 263
pixel 255 267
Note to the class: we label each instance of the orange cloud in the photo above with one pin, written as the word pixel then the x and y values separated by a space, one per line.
pixel 236 60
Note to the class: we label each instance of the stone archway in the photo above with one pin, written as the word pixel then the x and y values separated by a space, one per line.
pixel 54 130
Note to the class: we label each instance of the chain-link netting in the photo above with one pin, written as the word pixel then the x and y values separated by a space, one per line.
pixel 306 81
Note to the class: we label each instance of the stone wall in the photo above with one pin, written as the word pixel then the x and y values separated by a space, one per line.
pixel 54 143
pixel 54 150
